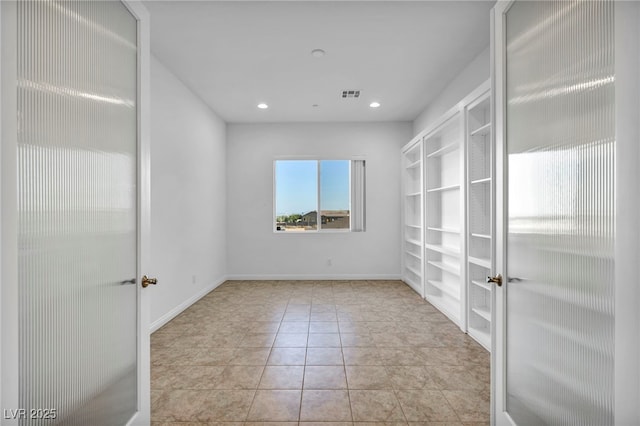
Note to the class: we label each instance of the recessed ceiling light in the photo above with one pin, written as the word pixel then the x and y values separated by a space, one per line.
pixel 374 104
pixel 263 106
pixel 318 53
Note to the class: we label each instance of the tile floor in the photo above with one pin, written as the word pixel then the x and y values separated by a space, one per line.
pixel 304 352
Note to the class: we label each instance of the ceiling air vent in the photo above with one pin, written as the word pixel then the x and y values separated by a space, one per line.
pixel 350 94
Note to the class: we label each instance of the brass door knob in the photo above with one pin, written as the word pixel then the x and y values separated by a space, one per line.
pixel 146 281
pixel 497 280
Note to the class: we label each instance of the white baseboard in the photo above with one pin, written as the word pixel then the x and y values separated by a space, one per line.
pixel 314 277
pixel 184 305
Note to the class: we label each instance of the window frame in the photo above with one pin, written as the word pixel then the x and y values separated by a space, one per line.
pixel 318 159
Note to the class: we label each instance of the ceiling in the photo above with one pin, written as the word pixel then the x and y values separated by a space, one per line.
pixel 237 54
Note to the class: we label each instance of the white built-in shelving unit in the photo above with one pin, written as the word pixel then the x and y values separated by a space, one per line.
pixel 448 183
pixel 412 245
pixel 444 216
pixel 480 222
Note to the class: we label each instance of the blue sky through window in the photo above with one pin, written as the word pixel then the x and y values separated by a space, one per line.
pixel 297 185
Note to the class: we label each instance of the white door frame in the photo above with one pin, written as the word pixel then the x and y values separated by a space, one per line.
pixel 498 326
pixel 627 251
pixel 8 215
pixel 143 415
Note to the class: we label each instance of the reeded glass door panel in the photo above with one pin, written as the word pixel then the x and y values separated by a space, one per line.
pixel 77 137
pixel 560 141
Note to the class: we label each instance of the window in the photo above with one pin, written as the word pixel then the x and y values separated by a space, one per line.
pixel 319 195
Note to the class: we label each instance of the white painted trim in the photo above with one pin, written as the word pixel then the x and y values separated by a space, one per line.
pixel 134 420
pixel 9 321
pixel 185 305
pixel 143 414
pixel 313 277
pixel 627 244
pixel 499 415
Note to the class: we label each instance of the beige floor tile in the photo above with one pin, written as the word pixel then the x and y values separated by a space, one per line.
pixel 353 327
pixel 269 424
pixel 386 336
pixel 170 355
pixel 195 377
pixel 210 356
pixel 226 405
pixel 324 356
pixel 458 377
pixel 275 405
pixel 470 405
pixel 411 377
pixel 291 340
pixel 367 377
pixel 323 316
pixel 425 405
pixel 325 406
pixel 294 327
pixel 324 377
pixel 357 340
pixel 296 316
pixel 287 356
pixel 324 340
pixel 263 327
pixel 437 424
pixel 258 340
pixel 179 405
pixel 323 327
pixel 440 356
pixel 387 340
pixel 361 356
pixel 250 356
pixel 398 423
pixel 323 308
pixel 375 405
pixel 325 423
pixel 159 339
pixel 282 377
pixel 239 377
pixel 400 356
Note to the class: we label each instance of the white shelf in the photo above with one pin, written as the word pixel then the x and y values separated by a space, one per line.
pixel 412 241
pixel 444 150
pixel 481 284
pixel 483 180
pixel 415 286
pixel 448 306
pixel 482 130
pixel 485 263
pixel 450 251
pixel 413 255
pixel 445 230
pixel 412 190
pixel 445 267
pixel 482 336
pixel 413 165
pixel 445 288
pixel 483 312
pixel 485 236
pixel 413 270
pixel 444 188
pixel 479 217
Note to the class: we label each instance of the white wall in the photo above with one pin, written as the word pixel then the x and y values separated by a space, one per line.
pixel 188 193
pixel 255 251
pixel 474 74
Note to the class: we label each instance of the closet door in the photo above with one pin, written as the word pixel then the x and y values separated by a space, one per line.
pixel 556 356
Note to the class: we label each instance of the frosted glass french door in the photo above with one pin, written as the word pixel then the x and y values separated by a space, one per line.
pixel 77 212
pixel 559 146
